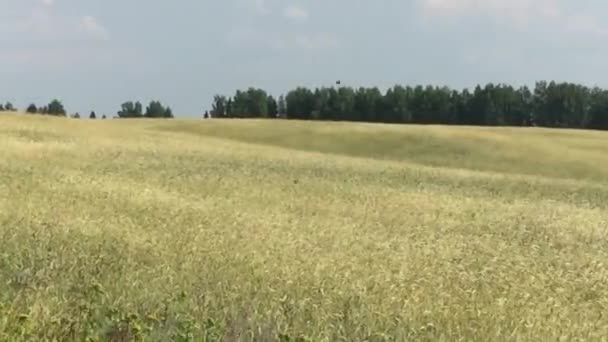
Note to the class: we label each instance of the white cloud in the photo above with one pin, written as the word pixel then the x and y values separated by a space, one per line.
pixel 447 5
pixel 517 12
pixel 47 25
pixel 38 24
pixel 92 27
pixel 281 41
pixel 254 6
pixel 261 6
pixel 585 23
pixel 48 2
pixel 549 8
pixel 55 58
pixel 295 12
pixel 315 41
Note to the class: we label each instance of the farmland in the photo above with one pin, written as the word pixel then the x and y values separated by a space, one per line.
pixel 267 229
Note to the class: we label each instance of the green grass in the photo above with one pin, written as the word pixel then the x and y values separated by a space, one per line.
pixel 254 230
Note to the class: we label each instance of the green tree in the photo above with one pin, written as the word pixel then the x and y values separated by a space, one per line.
pixel 229 107
pixel 130 110
pixel 56 108
pixel 250 103
pixel 272 107
pixel 282 106
pixel 9 107
pixel 258 103
pixel 549 104
pixel 345 99
pixel 93 115
pixel 397 105
pixel 156 110
pixel 168 113
pixel 598 109
pixel 368 105
pixel 32 109
pixel 219 106
pixel 239 104
pixel 300 103
pixel 320 110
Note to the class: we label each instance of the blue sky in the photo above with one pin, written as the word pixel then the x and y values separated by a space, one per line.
pixel 96 54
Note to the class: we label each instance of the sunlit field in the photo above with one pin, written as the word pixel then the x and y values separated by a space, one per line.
pixel 244 230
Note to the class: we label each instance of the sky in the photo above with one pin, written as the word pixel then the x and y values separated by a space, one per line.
pixel 97 54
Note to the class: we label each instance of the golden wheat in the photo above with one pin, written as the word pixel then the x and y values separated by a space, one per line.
pixel 260 230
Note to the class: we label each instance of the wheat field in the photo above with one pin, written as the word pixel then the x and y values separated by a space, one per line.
pixel 259 230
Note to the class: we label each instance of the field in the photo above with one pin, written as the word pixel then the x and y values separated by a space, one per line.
pixel 258 230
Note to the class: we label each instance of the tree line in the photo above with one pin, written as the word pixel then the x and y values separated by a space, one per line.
pixel 55 108
pixel 135 110
pixel 548 104
pixel 7 107
pixel 155 109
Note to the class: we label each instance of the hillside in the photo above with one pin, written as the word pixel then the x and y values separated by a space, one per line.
pixel 171 229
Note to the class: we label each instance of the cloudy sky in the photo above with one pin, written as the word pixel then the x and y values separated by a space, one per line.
pixel 96 54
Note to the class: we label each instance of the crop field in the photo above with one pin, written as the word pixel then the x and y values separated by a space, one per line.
pixel 260 230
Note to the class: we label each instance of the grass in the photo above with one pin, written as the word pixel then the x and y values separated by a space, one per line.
pixel 263 230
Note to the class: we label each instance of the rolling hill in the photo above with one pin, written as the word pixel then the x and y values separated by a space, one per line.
pixel 259 230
